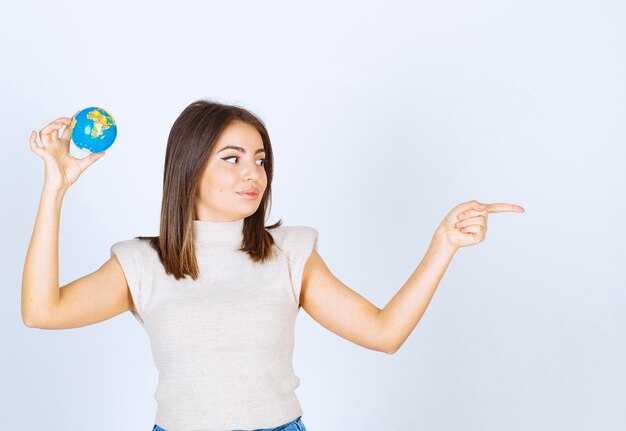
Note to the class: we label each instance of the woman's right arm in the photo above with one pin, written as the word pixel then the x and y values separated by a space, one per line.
pixel 40 279
pixel 90 299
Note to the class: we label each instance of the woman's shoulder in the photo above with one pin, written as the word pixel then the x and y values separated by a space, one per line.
pixel 133 247
pixel 294 231
pixel 295 237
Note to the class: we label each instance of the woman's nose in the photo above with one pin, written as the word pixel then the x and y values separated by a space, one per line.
pixel 251 170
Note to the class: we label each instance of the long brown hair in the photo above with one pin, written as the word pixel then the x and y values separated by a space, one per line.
pixel 189 145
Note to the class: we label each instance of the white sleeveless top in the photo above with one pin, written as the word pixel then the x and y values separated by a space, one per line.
pixel 223 345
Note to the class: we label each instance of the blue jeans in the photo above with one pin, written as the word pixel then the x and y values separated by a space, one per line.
pixel 294 425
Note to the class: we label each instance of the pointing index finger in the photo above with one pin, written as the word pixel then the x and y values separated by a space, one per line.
pixel 501 207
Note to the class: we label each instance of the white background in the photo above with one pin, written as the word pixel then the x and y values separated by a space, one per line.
pixel 383 117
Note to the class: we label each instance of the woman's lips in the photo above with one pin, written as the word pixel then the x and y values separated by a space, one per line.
pixel 249 195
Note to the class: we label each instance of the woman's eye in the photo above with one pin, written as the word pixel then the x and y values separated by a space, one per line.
pixel 236 157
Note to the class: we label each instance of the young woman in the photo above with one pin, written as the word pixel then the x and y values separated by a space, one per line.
pixel 217 291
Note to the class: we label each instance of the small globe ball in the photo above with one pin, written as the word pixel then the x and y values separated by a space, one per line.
pixel 93 129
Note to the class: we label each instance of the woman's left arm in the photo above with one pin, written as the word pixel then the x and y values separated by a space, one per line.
pixel 465 225
pixel 346 313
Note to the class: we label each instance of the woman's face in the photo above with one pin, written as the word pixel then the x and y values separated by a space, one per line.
pixel 230 171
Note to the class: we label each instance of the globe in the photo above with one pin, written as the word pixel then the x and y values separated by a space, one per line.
pixel 93 129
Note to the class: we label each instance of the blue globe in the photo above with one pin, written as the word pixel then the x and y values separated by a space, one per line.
pixel 93 129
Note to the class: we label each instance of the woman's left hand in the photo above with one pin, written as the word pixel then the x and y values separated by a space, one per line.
pixel 466 224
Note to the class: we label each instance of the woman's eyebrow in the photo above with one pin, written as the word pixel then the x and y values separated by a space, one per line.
pixel 241 149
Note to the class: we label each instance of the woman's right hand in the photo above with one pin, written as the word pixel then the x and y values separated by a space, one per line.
pixel 62 169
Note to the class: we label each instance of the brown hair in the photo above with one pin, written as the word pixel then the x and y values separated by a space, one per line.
pixel 189 145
